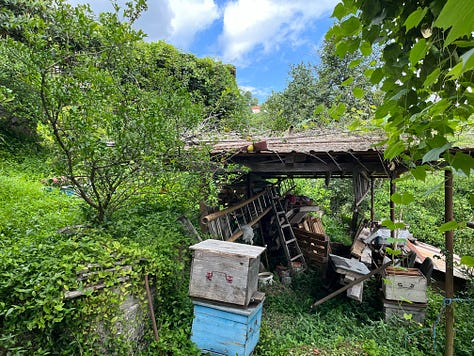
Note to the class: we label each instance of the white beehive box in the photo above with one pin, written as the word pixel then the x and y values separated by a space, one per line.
pixel 407 284
pixel 404 311
pixel 225 271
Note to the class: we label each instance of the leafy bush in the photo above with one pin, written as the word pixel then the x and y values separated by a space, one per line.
pixel 39 266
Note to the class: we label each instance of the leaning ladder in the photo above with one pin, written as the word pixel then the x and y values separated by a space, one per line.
pixel 227 224
pixel 293 253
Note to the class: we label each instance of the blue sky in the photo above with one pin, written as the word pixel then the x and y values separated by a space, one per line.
pixel 262 38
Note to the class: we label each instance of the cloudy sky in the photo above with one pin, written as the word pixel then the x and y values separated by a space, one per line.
pixel 262 38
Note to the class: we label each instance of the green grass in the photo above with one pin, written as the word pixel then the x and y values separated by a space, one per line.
pixel 342 326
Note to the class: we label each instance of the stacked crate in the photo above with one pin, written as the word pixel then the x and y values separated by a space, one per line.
pixel 227 304
pixel 405 293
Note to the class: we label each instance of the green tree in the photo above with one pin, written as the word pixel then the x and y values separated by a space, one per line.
pixel 210 83
pixel 427 78
pixel 426 72
pixel 116 126
pixel 333 92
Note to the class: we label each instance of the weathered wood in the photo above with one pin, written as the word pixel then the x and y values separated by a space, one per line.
pixel 151 308
pixel 399 308
pixel 239 233
pixel 225 271
pixel 189 227
pixel 346 287
pixel 206 219
pixel 226 330
pixel 403 285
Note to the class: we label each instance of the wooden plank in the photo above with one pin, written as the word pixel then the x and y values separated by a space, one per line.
pixel 225 247
pixel 346 287
pixel 308 234
pixel 357 248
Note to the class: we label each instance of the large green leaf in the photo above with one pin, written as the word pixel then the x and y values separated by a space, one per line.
pixel 419 173
pixel 351 26
pixel 433 154
pixel 418 51
pixel 462 162
pixel 402 198
pixel 394 149
pixel 450 225
pixel 415 18
pixel 432 78
pixel 459 16
pixel 468 261
pixel 468 60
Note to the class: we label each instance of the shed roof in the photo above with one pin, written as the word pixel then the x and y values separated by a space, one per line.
pixel 314 154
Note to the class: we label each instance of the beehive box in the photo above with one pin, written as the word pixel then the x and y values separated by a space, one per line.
pixel 404 311
pixel 225 271
pixel 407 284
pixel 225 330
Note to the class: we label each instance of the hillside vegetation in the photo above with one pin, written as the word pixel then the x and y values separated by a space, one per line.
pixel 98 162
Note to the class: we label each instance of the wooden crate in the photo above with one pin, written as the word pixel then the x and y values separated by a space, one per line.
pixel 407 284
pixel 314 246
pixel 398 308
pixel 225 271
pixel 224 330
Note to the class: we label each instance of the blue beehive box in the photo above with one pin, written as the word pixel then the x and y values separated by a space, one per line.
pixel 226 330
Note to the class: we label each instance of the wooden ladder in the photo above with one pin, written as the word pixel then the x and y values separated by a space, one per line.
pixel 293 253
pixel 228 224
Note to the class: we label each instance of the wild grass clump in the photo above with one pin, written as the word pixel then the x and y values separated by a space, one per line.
pixel 342 326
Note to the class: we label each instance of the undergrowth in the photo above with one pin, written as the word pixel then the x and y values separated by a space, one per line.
pixel 46 242
pixel 342 326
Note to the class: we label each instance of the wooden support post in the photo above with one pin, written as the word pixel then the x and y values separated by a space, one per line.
pixel 372 201
pixel 150 306
pixel 393 189
pixel 449 245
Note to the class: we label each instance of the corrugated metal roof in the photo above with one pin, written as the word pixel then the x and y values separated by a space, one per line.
pixel 424 250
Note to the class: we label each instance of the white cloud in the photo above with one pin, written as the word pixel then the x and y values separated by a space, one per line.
pixel 176 21
pixel 188 18
pixel 265 25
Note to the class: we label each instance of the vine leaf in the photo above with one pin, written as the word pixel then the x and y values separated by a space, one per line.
pixel 468 261
pixel 402 198
pixel 418 51
pixel 415 18
pixel 450 225
pixel 457 15
pixel 433 154
pixel 419 173
pixel 462 161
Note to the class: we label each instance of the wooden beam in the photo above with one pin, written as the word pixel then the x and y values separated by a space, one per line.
pixel 353 283
pixel 308 167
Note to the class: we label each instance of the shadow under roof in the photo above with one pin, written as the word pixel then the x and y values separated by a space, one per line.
pixel 319 154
